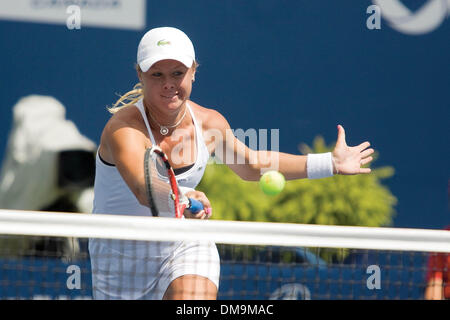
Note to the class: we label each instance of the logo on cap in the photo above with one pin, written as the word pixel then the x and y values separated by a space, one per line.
pixel 163 42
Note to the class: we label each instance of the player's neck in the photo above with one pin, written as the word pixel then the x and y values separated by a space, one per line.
pixel 170 118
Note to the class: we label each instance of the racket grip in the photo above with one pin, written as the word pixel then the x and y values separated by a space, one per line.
pixel 195 205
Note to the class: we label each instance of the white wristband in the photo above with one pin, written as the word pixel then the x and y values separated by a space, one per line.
pixel 319 165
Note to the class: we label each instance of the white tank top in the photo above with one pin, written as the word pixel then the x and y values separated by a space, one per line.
pixel 111 193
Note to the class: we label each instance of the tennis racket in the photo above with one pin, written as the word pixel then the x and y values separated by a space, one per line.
pixel 163 192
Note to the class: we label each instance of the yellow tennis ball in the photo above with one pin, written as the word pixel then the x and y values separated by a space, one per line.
pixel 272 182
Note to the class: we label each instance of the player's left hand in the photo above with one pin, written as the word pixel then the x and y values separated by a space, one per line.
pixel 349 160
pixel 203 214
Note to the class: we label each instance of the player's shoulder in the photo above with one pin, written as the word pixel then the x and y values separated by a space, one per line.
pixel 126 122
pixel 126 117
pixel 209 117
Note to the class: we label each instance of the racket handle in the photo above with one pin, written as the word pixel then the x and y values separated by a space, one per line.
pixel 195 205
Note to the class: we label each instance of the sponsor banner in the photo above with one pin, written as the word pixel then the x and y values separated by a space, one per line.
pixel 122 14
pixel 424 20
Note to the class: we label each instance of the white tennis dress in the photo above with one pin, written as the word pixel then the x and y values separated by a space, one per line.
pixel 123 269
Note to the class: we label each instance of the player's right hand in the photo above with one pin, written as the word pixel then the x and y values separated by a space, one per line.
pixel 203 214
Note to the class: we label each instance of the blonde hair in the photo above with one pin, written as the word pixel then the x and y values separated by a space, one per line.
pixel 128 99
pixel 131 97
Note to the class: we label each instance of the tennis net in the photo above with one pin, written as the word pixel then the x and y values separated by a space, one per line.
pixel 51 255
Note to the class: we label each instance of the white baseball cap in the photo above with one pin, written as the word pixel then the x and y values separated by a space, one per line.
pixel 165 43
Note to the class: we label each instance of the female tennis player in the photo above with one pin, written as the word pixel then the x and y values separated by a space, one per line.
pixel 159 112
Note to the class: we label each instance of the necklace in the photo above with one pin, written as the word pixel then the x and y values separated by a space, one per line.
pixel 164 130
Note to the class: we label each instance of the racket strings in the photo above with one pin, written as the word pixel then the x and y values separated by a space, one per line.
pixel 160 188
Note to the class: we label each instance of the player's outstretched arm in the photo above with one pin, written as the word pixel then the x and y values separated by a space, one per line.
pixel 250 164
